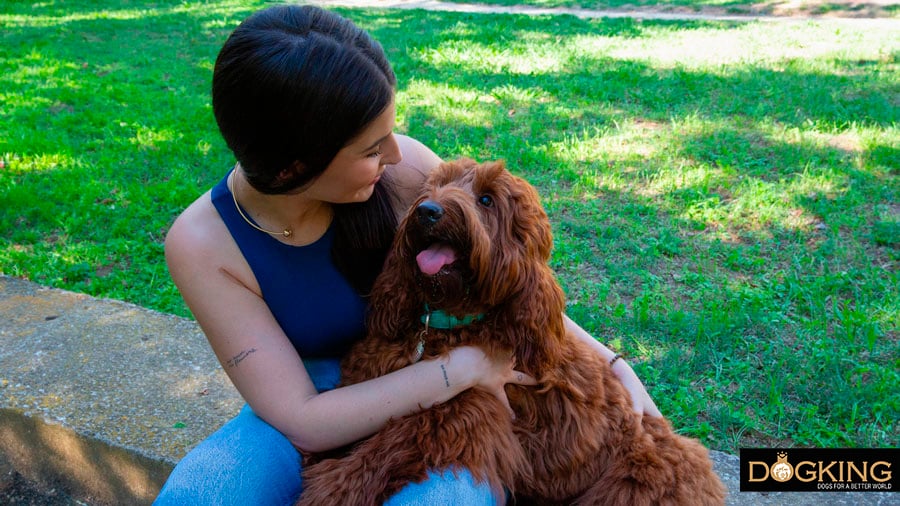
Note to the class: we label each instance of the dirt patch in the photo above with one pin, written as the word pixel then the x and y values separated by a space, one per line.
pixel 832 8
pixel 16 490
pixel 787 8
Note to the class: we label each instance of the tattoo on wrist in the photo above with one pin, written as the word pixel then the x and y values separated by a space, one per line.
pixel 446 379
pixel 237 359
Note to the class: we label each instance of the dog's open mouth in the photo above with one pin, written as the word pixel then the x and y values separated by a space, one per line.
pixel 443 273
pixel 435 258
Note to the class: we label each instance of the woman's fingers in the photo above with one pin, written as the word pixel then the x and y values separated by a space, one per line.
pixel 520 378
pixel 516 378
pixel 641 401
pixel 649 407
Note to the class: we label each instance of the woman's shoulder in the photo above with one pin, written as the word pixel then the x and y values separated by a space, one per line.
pixel 409 175
pixel 199 245
pixel 195 223
pixel 197 233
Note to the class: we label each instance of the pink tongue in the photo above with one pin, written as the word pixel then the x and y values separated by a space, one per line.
pixel 434 258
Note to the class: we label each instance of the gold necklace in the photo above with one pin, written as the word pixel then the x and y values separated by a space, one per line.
pixel 285 233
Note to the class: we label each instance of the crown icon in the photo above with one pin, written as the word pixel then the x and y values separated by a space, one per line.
pixel 782 470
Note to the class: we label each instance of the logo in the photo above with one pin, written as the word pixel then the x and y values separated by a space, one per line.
pixel 782 471
pixel 819 469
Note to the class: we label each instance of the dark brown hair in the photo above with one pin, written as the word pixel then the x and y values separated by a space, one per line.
pixel 293 85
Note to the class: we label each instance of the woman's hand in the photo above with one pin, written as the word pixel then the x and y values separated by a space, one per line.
pixel 489 373
pixel 640 399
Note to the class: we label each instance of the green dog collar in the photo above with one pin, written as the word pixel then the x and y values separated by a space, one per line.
pixel 441 320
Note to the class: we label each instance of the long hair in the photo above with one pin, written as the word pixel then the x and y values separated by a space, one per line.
pixel 293 85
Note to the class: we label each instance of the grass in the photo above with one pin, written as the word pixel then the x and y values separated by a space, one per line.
pixel 724 195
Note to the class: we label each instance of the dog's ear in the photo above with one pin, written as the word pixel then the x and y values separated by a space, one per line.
pixel 522 236
pixel 538 305
pixel 531 225
pixel 538 313
pixel 392 295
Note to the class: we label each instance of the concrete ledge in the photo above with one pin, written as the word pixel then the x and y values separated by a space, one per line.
pixel 101 398
pixel 58 458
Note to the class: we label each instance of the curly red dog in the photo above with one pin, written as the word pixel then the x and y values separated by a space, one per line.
pixel 473 251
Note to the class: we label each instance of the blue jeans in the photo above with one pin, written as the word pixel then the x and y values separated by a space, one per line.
pixel 248 461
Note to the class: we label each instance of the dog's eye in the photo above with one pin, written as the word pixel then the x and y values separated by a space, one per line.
pixel 486 200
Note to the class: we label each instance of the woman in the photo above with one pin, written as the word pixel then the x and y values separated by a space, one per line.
pixel 275 261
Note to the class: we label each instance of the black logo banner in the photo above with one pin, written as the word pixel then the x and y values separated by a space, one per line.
pixel 820 469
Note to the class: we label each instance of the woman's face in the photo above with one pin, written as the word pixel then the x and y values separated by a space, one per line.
pixel 352 175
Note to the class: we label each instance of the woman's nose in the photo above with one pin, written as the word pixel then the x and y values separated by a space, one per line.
pixel 390 150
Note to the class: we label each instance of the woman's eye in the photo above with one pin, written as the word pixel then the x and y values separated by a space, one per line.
pixel 486 200
pixel 375 154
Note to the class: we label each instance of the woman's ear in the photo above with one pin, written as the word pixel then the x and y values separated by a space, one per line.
pixel 291 173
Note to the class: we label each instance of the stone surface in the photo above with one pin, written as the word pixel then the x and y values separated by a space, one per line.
pixel 100 396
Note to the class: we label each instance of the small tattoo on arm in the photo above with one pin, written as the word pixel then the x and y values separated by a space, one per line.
pixel 237 359
pixel 446 379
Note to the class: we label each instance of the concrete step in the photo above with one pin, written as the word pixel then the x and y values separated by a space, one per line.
pixel 100 398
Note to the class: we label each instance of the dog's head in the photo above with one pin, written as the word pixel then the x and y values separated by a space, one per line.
pixel 476 241
pixel 476 237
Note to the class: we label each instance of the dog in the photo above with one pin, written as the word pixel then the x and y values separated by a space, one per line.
pixel 472 254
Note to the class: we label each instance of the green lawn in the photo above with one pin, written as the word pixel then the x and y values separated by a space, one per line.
pixel 725 196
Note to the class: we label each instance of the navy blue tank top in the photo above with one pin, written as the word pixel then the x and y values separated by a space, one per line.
pixel 316 307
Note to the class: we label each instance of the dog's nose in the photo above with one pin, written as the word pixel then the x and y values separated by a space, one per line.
pixel 429 212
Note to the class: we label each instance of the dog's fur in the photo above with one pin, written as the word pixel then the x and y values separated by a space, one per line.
pixel 575 438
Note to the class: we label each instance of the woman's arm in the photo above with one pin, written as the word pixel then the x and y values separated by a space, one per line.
pixel 640 399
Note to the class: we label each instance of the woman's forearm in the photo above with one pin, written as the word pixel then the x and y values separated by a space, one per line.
pixel 344 415
pixel 338 417
pixel 582 335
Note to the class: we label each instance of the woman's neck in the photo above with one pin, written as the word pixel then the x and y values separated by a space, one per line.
pixel 305 219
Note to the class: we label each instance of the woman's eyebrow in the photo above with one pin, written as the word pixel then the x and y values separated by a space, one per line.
pixel 379 141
